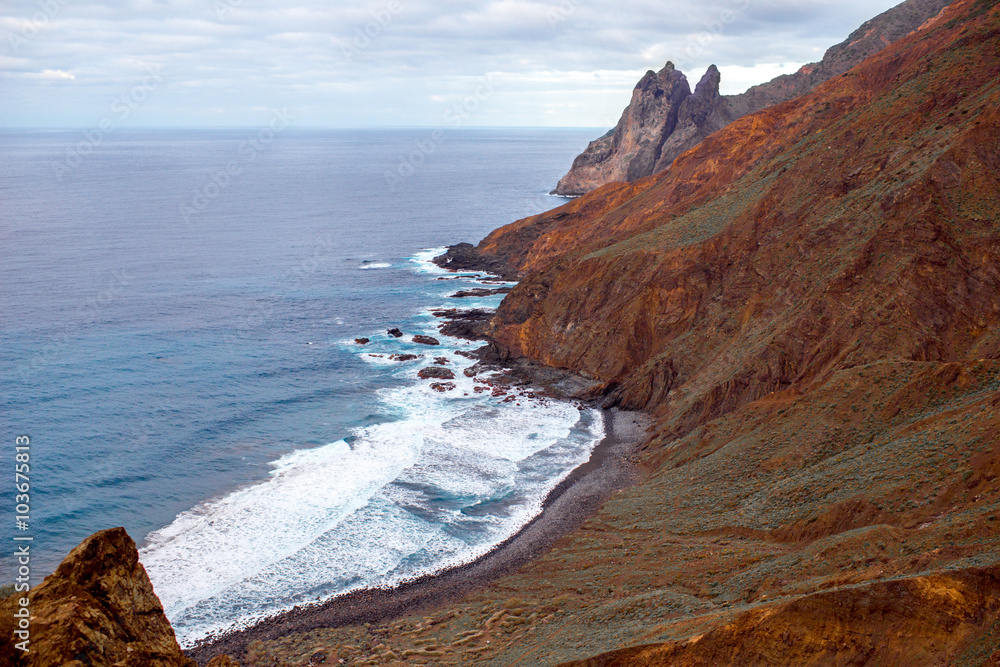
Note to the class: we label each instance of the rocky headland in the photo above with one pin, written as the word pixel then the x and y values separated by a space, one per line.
pixel 665 118
pixel 807 307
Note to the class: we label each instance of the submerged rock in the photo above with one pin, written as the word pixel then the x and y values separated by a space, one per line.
pixel 362 341
pixel 426 340
pixel 436 372
pixel 479 291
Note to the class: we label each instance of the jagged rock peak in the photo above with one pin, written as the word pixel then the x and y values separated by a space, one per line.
pixel 644 137
pixel 603 163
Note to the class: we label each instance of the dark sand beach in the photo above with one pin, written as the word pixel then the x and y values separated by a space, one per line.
pixel 609 468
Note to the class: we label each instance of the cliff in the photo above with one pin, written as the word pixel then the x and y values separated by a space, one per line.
pixel 97 609
pixel 789 245
pixel 808 302
pixel 664 118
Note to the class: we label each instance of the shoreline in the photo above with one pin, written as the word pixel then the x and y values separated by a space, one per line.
pixel 609 468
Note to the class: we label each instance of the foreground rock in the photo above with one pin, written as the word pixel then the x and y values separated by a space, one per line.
pixel 665 118
pixel 98 608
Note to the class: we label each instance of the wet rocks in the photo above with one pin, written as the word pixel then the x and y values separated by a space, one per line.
pixel 442 386
pixel 404 357
pixel 362 341
pixel 480 291
pixel 395 333
pixel 426 340
pixel 441 361
pixel 465 324
pixel 436 373
pixel 466 257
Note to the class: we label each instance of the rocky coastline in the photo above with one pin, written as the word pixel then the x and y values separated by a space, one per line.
pixel 665 118
pixel 805 315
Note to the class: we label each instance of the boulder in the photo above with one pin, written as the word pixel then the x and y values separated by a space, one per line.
pixel 436 372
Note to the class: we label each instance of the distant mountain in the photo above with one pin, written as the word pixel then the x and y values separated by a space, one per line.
pixel 665 118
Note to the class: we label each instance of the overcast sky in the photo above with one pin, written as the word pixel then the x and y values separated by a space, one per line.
pixel 74 63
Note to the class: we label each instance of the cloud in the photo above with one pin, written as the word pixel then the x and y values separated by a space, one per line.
pixel 393 62
pixel 50 75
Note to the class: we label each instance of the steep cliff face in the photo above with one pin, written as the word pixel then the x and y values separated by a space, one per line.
pixel 609 158
pixel 792 243
pixel 633 148
pixel 97 609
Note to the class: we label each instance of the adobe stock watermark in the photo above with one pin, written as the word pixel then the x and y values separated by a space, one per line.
pixel 714 29
pixel 121 108
pixel 454 116
pixel 47 11
pixel 248 150
pixel 265 309
pixel 87 311
pixel 22 541
pixel 364 35
pixel 223 7
pixel 562 12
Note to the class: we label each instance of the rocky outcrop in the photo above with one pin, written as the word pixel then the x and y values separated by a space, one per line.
pixel 633 148
pixel 436 373
pixel 792 243
pixel 664 118
pixel 97 609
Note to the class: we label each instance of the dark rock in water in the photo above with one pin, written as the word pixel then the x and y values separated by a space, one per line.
pixel 467 354
pixel 362 341
pixel 395 333
pixel 98 608
pixel 404 357
pixel 426 340
pixel 465 324
pixel 441 361
pixel 479 291
pixel 465 257
pixel 436 373
pixel 443 386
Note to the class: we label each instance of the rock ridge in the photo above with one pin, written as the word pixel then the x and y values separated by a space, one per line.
pixel 656 128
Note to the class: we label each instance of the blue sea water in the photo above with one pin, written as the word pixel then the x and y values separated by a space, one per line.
pixel 177 333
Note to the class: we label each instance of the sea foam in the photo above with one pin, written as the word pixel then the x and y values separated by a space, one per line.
pixel 455 474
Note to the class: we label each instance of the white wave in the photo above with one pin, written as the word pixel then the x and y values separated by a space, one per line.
pixel 375 265
pixel 457 474
pixel 413 525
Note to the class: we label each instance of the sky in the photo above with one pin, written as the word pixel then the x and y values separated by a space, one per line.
pixel 392 63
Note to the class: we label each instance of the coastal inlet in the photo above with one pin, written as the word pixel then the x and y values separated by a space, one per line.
pixel 463 463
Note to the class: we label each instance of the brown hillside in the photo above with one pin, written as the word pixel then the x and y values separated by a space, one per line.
pixel 793 243
pixel 809 304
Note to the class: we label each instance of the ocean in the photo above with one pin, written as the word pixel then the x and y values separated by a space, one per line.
pixel 179 309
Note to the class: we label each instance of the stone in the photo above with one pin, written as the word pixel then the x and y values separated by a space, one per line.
pixel 425 340
pixel 437 373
